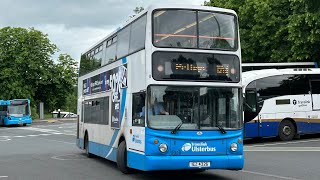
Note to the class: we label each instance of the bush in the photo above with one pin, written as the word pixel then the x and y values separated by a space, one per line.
pixel 34 113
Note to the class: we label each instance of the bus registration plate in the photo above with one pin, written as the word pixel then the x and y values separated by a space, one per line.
pixel 199 164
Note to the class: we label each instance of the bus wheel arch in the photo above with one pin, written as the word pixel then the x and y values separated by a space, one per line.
pixel 287 129
pixel 122 156
pixel 121 139
pixel 86 144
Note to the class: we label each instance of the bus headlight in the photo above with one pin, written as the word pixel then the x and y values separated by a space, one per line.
pixel 234 147
pixel 163 148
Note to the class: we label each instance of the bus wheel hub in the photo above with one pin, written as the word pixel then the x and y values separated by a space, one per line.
pixel 286 130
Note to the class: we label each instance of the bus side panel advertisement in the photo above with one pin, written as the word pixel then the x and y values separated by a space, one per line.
pixel 113 80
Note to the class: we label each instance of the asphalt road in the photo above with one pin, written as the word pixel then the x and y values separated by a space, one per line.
pixel 48 151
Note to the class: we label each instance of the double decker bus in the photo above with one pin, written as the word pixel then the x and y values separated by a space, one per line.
pixel 163 92
pixel 15 112
pixel 281 102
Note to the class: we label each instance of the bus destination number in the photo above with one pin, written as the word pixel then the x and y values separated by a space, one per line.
pixel 223 69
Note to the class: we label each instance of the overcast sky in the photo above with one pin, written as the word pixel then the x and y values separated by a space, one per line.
pixel 74 25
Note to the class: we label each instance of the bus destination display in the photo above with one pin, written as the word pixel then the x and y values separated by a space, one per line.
pixel 200 68
pixel 203 67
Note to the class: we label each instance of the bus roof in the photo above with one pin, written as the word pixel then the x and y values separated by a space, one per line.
pixel 250 76
pixel 153 7
pixel 278 64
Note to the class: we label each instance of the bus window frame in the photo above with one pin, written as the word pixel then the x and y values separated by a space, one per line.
pixel 197 25
pixel 142 119
pixel 115 36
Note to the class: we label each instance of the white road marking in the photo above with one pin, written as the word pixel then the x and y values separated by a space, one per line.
pixel 32 135
pixel 282 143
pixel 69 157
pixel 269 175
pixel 282 149
pixel 68 131
pixel 3 139
pixel 40 130
pixel 57 133
pixel 19 136
pixel 57 141
pixel 3 176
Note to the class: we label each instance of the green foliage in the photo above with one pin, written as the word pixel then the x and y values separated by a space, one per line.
pixel 59 85
pixel 34 113
pixel 137 10
pixel 277 30
pixel 27 70
pixel 71 102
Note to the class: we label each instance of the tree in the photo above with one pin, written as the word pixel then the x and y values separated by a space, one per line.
pixel 304 29
pixel 60 84
pixel 27 70
pixel 136 11
pixel 276 30
pixel 71 101
pixel 24 60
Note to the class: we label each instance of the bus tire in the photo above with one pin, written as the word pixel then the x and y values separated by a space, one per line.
pixel 287 130
pixel 86 147
pixel 122 158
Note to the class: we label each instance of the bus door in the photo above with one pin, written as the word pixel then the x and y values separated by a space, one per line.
pixel 315 96
pixel 251 114
pixel 137 130
pixel 80 123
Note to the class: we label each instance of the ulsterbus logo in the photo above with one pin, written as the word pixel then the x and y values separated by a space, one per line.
pixel 186 147
pixel 197 147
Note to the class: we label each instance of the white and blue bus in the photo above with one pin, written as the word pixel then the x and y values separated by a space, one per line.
pixel 281 102
pixel 15 112
pixel 163 92
pixel 288 65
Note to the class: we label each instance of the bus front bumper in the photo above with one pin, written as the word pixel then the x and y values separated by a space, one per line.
pixel 16 121
pixel 150 163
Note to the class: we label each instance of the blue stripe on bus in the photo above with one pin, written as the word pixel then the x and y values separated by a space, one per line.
pixel 269 129
pixel 102 150
pixel 116 131
pixel 123 102
pixel 114 136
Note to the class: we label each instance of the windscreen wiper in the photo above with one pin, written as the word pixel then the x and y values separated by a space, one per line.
pixel 174 131
pixel 221 129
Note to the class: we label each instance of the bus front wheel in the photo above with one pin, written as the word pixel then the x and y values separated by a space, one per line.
pixel 122 158
pixel 287 130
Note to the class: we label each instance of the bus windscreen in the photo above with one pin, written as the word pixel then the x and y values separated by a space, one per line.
pixel 195 66
pixel 194 29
